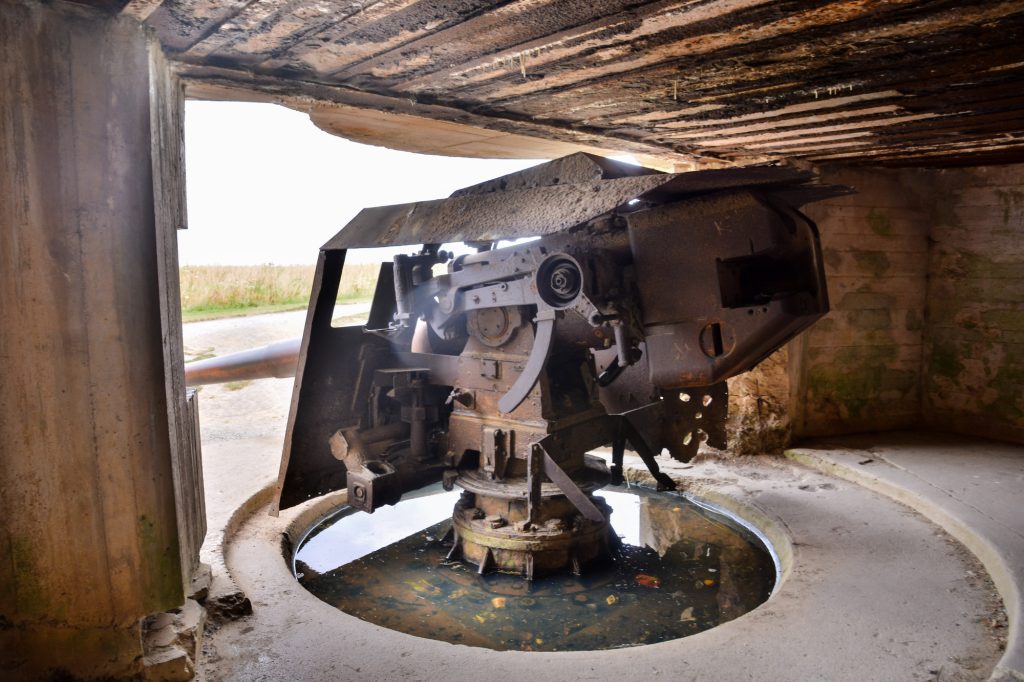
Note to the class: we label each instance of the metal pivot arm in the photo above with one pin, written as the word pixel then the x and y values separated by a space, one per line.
pixel 534 365
pixel 534 479
pixel 571 490
pixel 636 439
pixel 618 453
pixel 539 464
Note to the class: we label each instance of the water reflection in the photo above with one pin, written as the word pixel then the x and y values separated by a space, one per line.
pixel 681 569
pixel 332 544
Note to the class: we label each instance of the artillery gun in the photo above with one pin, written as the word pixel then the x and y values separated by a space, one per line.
pixel 617 322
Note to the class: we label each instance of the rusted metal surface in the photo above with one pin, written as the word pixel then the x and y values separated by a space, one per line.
pixel 529 209
pixel 498 370
pixel 733 81
pixel 492 216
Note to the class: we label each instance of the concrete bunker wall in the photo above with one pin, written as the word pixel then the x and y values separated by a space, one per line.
pixel 92 399
pixel 973 369
pixel 926 280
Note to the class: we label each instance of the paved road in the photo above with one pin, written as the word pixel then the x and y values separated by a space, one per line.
pixel 242 423
pixel 246 409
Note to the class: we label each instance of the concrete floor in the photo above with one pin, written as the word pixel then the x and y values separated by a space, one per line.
pixel 872 590
pixel 970 487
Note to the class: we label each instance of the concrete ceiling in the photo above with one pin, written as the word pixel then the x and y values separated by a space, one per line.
pixel 706 81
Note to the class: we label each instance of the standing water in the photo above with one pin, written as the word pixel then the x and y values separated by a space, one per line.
pixel 682 568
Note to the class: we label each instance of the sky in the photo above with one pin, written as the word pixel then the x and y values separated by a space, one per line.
pixel 265 185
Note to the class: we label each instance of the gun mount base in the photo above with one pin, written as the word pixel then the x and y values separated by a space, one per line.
pixel 495 533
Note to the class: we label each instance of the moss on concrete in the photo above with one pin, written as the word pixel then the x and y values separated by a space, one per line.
pixel 879 223
pixel 860 380
pixel 1008 383
pixel 875 263
pixel 945 360
pixel 866 299
pixel 833 259
pixel 1011 201
pixel 996 290
pixel 161 553
pixel 857 392
pixel 28 587
pixel 1008 320
pixel 964 264
pixel 825 324
pixel 871 319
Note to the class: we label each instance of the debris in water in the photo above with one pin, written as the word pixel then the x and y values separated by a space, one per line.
pixel 666 581
pixel 647 580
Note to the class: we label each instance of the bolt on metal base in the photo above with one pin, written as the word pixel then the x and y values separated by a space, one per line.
pixel 495 534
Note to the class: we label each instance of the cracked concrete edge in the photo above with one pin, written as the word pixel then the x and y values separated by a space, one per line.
pixel 299 519
pixel 225 599
pixel 302 518
pixel 1009 668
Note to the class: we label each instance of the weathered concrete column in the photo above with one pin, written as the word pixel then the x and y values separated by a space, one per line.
pixel 88 533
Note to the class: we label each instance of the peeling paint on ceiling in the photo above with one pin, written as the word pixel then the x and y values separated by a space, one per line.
pixel 713 81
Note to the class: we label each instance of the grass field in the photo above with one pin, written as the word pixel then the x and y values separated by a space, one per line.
pixel 212 291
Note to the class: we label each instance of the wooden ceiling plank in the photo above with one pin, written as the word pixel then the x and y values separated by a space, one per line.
pixel 686 130
pixel 656 116
pixel 746 80
pixel 865 21
pixel 797 108
pixel 820 147
pixel 334 51
pixel 335 27
pixel 773 143
pixel 902 137
pixel 264 22
pixel 805 54
pixel 970 123
pixel 582 65
pixel 291 22
pixel 180 24
pixel 919 152
pixel 570 41
pixel 140 9
pixel 959 66
pixel 876 123
pixel 623 109
pixel 492 31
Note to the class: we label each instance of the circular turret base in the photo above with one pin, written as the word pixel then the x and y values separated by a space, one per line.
pixel 494 533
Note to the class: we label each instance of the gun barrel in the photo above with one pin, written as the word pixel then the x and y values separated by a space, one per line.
pixel 277 360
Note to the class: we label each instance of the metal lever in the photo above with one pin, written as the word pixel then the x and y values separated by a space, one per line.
pixel 542 343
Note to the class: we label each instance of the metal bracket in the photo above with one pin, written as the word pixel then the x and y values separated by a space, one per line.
pixel 571 490
pixel 534 478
